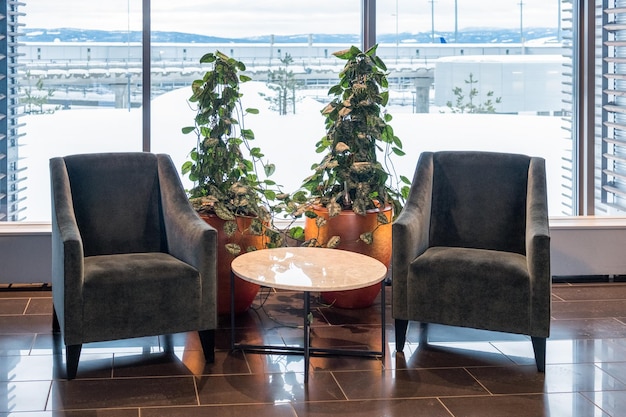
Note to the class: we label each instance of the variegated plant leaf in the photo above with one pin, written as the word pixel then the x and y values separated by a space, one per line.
pixel 367 237
pixel 358 206
pixel 341 147
pixel 320 222
pixel 278 240
pixel 256 227
pixel 361 167
pixel 230 228
pixel 239 189
pixel 233 248
pixel 311 243
pixel 222 212
pixel 333 242
pixel 334 209
pixel 264 215
pixel 381 218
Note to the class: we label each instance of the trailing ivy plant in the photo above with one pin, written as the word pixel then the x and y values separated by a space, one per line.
pixel 223 165
pixel 358 133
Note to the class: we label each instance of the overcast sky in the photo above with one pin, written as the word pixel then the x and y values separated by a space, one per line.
pixel 238 18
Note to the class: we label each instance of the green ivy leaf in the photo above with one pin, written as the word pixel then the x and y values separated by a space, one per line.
pixel 379 63
pixel 300 197
pixel 270 194
pixel 398 152
pixel 208 58
pixel 296 232
pixel 310 214
pixel 247 134
pixel 186 167
pixel 335 90
pixel 371 52
pixel 256 152
pixel 385 97
pixel 269 169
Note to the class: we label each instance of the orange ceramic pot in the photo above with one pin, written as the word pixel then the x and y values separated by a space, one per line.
pixel 244 290
pixel 349 226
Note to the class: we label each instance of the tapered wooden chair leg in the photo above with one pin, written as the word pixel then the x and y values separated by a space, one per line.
pixel 539 347
pixel 56 327
pixel 207 339
pixel 72 354
pixel 401 327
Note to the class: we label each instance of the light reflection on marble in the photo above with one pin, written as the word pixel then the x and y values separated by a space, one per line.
pixel 309 269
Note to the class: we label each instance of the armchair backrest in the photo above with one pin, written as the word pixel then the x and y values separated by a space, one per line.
pixel 479 200
pixel 116 201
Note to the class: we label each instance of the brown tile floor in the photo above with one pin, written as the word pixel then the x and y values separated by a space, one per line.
pixel 462 372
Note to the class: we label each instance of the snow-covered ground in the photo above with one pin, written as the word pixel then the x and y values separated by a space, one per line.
pixel 287 141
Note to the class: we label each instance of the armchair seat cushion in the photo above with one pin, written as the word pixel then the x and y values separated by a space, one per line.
pixel 480 288
pixel 154 288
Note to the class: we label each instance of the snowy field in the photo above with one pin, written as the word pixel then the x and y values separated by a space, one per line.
pixel 287 141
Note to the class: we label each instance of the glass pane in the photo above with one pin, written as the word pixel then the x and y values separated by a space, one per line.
pixel 272 38
pixel 81 85
pixel 497 89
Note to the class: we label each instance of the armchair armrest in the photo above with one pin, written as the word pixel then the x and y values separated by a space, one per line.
pixel 189 238
pixel 410 231
pixel 67 253
pixel 538 247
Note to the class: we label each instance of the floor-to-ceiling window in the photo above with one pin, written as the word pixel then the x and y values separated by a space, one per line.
pixel 287 48
pixel 489 76
pixel 504 87
pixel 81 86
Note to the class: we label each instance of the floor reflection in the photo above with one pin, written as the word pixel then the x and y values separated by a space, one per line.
pixel 460 372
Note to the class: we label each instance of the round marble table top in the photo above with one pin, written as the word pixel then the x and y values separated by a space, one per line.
pixel 309 269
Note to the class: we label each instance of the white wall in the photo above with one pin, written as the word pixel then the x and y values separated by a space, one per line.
pixel 25 253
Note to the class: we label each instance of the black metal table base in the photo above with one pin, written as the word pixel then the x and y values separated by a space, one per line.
pixel 307 350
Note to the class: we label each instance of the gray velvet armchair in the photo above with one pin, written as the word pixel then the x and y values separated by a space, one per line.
pixel 130 256
pixel 471 247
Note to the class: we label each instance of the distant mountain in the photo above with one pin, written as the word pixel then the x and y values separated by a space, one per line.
pixel 474 35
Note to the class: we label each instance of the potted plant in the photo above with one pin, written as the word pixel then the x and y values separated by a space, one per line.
pixel 353 195
pixel 227 189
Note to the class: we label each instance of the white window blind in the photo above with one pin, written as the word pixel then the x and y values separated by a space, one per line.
pixel 567 36
pixel 10 171
pixel 611 47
